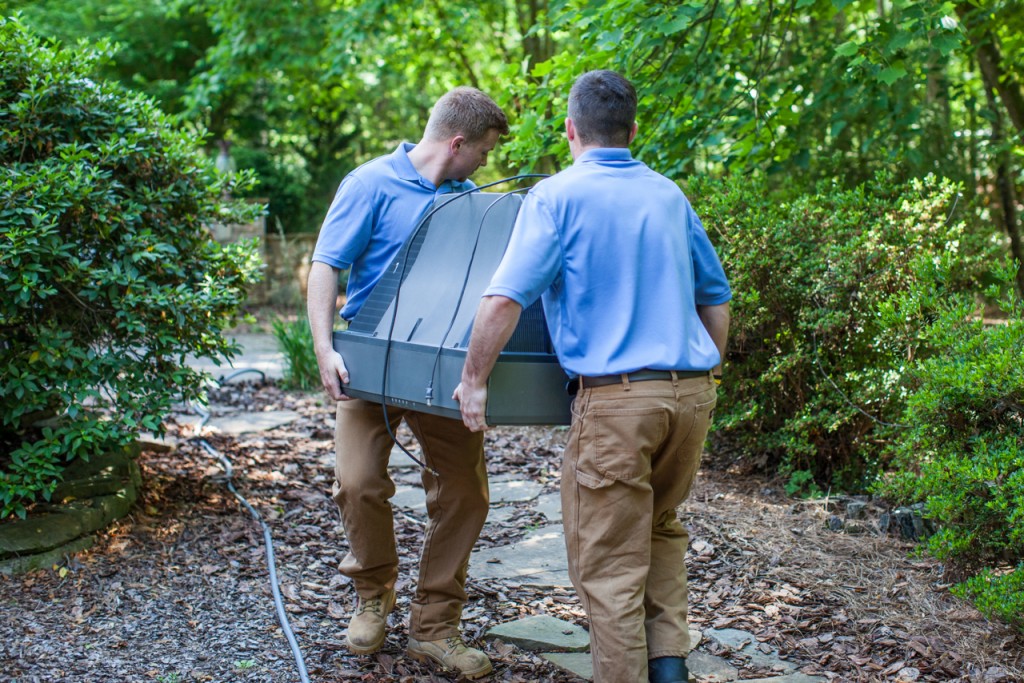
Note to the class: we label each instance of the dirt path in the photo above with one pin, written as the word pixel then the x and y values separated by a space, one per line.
pixel 178 591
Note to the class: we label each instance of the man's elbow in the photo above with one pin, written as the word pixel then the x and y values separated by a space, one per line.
pixel 502 305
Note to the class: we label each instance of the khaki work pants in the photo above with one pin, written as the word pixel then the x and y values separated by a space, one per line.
pixel 632 455
pixel 457 503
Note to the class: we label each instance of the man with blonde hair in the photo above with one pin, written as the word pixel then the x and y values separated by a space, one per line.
pixel 377 207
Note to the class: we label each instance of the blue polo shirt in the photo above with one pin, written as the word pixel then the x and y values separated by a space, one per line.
pixel 621 261
pixel 376 208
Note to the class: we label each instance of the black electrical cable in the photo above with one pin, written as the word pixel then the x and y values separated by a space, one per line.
pixel 394 310
pixel 268 541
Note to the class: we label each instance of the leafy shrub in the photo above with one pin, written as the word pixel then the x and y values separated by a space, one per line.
pixel 296 342
pixel 813 371
pixel 997 595
pixel 961 451
pixel 108 275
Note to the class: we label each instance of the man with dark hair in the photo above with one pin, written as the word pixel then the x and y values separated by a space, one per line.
pixel 376 208
pixel 637 306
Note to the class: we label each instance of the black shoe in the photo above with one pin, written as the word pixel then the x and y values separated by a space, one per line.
pixel 667 670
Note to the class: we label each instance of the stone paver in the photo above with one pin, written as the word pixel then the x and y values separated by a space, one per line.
pixel 538 560
pixel 517 491
pixel 550 505
pixel 243 423
pixel 577 663
pixel 259 352
pixel 709 668
pixel 788 678
pixel 501 515
pixel 411 498
pixel 746 646
pixel 542 633
pixel 399 460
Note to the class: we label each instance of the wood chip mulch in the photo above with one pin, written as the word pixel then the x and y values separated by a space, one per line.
pixel 178 591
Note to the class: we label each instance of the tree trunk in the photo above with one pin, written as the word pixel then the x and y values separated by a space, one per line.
pixel 993 75
pixel 1005 188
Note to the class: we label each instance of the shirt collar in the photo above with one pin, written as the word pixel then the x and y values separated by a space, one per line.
pixel 403 165
pixel 406 171
pixel 605 154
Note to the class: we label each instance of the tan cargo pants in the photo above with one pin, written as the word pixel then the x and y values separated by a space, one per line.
pixel 457 502
pixel 631 458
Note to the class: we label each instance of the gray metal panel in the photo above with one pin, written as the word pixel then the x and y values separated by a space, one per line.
pixel 433 285
pixel 524 389
pixel 433 308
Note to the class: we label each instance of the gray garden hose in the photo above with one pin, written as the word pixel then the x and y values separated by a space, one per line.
pixel 268 542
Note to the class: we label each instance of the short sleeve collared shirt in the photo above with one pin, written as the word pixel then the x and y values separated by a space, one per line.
pixel 621 262
pixel 376 208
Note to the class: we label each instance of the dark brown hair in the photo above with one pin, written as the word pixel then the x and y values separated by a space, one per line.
pixel 602 104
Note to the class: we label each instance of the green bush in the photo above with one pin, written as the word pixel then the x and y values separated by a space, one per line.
pixel 961 447
pixel 813 371
pixel 108 275
pixel 997 595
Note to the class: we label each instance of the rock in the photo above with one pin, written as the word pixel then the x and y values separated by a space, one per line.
pixel 542 634
pixel 399 460
pixel 856 510
pixel 576 663
pixel 834 523
pixel 537 560
pixel 746 646
pixel 252 421
pixel 857 528
pixel 514 491
pixel 410 498
pixel 788 678
pixel 910 523
pixel 501 515
pixel 550 505
pixel 94 493
pixel 45 560
pixel 710 669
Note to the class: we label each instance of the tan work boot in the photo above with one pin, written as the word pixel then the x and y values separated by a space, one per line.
pixel 366 628
pixel 452 654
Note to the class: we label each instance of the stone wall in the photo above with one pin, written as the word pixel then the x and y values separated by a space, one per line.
pixel 93 493
pixel 285 259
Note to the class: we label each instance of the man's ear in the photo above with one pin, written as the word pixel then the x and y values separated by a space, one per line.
pixel 632 133
pixel 455 144
pixel 570 129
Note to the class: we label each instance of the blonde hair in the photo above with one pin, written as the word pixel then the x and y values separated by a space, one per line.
pixel 465 111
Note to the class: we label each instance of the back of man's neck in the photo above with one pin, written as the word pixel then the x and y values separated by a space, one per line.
pixel 429 158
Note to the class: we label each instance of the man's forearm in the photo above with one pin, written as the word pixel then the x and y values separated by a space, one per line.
pixel 321 299
pixel 716 322
pixel 496 320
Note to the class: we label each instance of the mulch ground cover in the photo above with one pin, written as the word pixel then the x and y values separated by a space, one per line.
pixel 178 591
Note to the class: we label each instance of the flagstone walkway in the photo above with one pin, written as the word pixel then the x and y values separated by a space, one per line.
pixel 538 559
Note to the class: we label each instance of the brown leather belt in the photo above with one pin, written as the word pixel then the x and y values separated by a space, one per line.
pixel 584 382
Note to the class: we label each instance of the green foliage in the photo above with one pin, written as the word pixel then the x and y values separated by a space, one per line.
pixel 296 342
pixel 813 370
pixel 962 450
pixel 283 185
pixel 802 90
pixel 997 595
pixel 109 277
pixel 801 483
